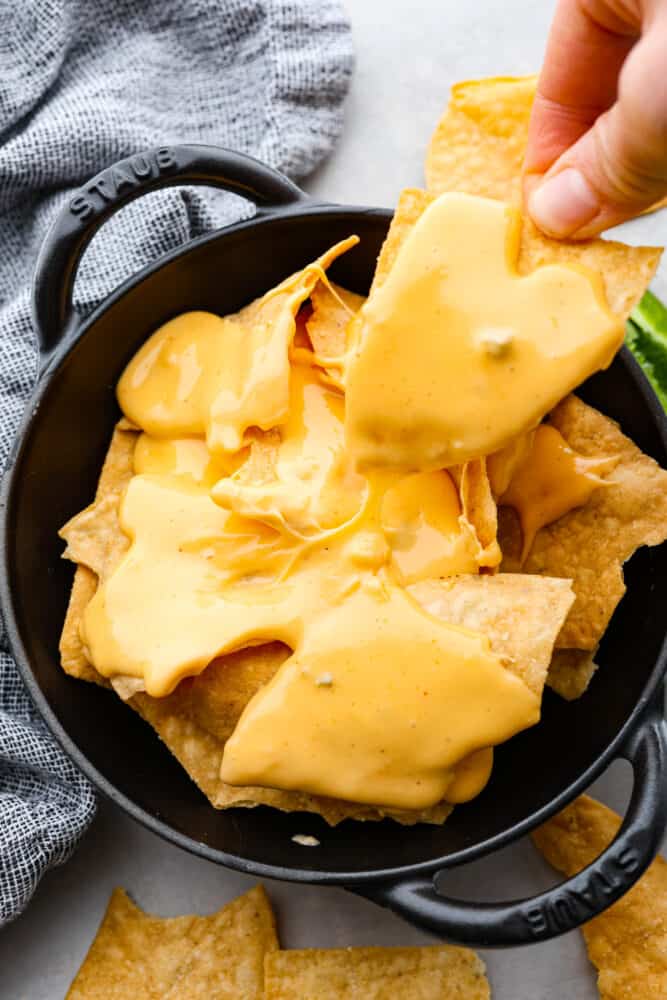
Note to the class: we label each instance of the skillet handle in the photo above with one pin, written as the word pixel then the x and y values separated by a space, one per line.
pixel 578 899
pixel 99 199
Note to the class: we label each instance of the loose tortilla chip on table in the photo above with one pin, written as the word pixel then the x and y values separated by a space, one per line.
pixel 376 974
pixel 200 715
pixel 628 942
pixel 218 957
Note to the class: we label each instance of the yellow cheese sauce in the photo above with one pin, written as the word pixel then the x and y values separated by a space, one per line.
pixel 422 520
pixel 549 480
pixel 456 353
pixel 200 374
pixel 309 533
pixel 403 698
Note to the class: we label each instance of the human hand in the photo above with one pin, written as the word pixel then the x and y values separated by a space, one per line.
pixel 597 142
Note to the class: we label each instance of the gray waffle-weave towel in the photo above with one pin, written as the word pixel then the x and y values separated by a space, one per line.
pixel 81 85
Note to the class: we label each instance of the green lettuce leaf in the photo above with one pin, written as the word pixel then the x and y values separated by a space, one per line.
pixel 646 336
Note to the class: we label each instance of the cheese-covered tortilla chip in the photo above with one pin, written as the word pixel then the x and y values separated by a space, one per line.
pixel 479 144
pixel 522 618
pixel 590 544
pixel 95 542
pixel 628 942
pixel 520 614
pixel 144 957
pixel 625 271
pixel 332 309
pixel 376 974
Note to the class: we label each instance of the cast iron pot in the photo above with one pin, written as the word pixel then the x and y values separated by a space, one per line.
pixel 53 473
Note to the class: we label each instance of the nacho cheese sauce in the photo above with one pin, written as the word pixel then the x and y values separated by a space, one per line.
pixel 275 501
pixel 549 480
pixel 457 353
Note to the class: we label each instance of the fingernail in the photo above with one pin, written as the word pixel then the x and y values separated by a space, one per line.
pixel 563 204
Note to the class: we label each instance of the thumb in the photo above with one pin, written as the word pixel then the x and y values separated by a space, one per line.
pixel 618 168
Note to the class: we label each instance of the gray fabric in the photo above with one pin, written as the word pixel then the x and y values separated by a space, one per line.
pixel 83 84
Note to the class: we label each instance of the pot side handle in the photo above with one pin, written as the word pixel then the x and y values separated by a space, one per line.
pixel 95 202
pixel 573 902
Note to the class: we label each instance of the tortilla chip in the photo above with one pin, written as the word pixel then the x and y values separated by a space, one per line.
pixel 93 536
pixel 488 119
pixel 479 143
pixel 625 271
pixel 628 942
pixel 479 509
pixel 141 956
pixel 411 203
pixel 590 544
pixel 571 671
pixel 376 974
pixel 328 322
pixel 200 715
pixel 95 542
pixel 521 615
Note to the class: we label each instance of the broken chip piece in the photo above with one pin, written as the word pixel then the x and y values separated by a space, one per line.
pixel 628 942
pixel 376 973
pixel 138 955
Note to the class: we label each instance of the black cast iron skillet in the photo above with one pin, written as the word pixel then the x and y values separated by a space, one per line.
pixel 53 473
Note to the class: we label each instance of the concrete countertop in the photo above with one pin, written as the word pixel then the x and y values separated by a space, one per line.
pixel 407 56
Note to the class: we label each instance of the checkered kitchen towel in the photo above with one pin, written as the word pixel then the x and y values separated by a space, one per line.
pixel 81 85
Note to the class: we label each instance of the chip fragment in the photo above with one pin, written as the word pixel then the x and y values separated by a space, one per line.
pixel 376 974
pixel 628 942
pixel 590 544
pixel 332 309
pixel 479 143
pixel 219 957
pixel 571 671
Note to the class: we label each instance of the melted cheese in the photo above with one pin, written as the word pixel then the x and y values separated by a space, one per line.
pixel 310 533
pixel 183 457
pixel 550 480
pixel 409 697
pixel 421 517
pixel 200 374
pixel 456 353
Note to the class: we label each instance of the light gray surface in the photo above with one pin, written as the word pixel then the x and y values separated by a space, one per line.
pixel 408 54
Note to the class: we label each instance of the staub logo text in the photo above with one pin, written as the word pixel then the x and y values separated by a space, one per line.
pixel 569 907
pixel 113 183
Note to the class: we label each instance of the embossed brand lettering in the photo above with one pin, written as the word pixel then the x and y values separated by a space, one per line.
pixel 165 159
pixel 81 207
pixel 141 166
pixel 568 907
pixel 122 178
pixel 628 860
pixel 536 920
pixel 110 185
